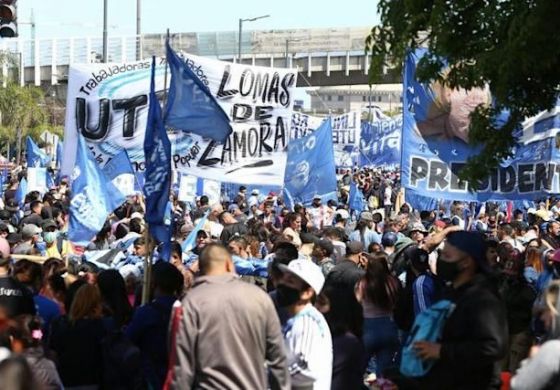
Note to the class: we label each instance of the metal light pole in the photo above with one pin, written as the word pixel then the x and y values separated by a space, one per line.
pixel 105 33
pixel 240 31
pixel 139 47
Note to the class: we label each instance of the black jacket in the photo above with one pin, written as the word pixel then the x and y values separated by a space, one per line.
pixel 473 341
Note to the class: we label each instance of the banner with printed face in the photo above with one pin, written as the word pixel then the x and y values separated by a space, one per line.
pixel 380 142
pixel 435 147
pixel 108 104
pixel 346 135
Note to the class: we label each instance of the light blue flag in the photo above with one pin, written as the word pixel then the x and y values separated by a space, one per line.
pixel 157 150
pixel 190 104
pixel 190 241
pixel 118 165
pixel 35 156
pixel 310 169
pixel 21 192
pixel 356 199
pixel 59 153
pixel 93 197
pixel 50 181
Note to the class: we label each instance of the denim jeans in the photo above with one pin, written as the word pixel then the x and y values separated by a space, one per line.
pixel 381 340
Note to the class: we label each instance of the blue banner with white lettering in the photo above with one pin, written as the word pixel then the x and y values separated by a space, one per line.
pixel 310 169
pixel 435 146
pixel 157 150
pixel 190 104
pixel 35 156
pixel 93 197
pixel 380 142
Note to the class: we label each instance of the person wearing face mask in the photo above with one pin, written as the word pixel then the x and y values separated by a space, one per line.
pixel 306 334
pixel 474 336
pixel 50 236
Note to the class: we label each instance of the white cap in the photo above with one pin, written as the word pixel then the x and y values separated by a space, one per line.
pixel 344 214
pixel 138 215
pixel 307 271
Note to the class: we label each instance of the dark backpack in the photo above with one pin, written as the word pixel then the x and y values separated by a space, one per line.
pixel 122 363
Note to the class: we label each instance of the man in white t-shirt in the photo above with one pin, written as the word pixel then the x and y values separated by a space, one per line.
pixel 318 213
pixel 306 333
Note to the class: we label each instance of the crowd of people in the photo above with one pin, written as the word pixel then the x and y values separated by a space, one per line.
pixel 256 295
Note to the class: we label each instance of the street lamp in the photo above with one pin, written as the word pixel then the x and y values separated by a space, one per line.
pixel 288 47
pixel 241 28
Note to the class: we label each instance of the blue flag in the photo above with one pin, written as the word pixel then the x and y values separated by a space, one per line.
pixel 310 169
pixel 118 165
pixel 50 181
pixel 190 241
pixel 21 192
pixel 59 153
pixel 93 197
pixel 157 150
pixel 436 146
pixel 356 199
pixel 380 142
pixel 35 156
pixel 190 104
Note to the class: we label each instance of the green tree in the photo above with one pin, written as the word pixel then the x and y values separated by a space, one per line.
pixel 22 110
pixel 512 46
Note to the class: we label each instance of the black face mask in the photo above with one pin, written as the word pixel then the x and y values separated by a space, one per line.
pixel 447 271
pixel 286 296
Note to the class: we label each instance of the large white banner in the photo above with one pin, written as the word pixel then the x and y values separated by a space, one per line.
pixel 259 103
pixel 108 104
pixel 346 134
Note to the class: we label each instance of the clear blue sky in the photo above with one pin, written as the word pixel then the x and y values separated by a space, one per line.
pixel 65 18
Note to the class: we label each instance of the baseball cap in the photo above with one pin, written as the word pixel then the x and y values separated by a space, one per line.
pixel 232 207
pixel 543 214
pixel 326 245
pixel 354 247
pixel 255 192
pixel 317 196
pixel 307 271
pixel 389 239
pixel 366 216
pixel 418 227
pixel 29 231
pixel 344 214
pixel 48 223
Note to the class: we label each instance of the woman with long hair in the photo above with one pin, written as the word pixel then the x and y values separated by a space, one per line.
pixel 533 264
pixel 115 298
pixel 76 340
pixel 377 291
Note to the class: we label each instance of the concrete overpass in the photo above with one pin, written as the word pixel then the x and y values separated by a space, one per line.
pixel 324 57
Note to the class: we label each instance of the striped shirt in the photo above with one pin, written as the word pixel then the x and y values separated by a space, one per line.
pixel 423 292
pixel 309 348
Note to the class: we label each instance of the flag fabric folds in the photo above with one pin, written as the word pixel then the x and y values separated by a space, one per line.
pixel 93 197
pixel 310 170
pixel 35 156
pixel 118 165
pixel 157 150
pixel 356 199
pixel 21 192
pixel 190 104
